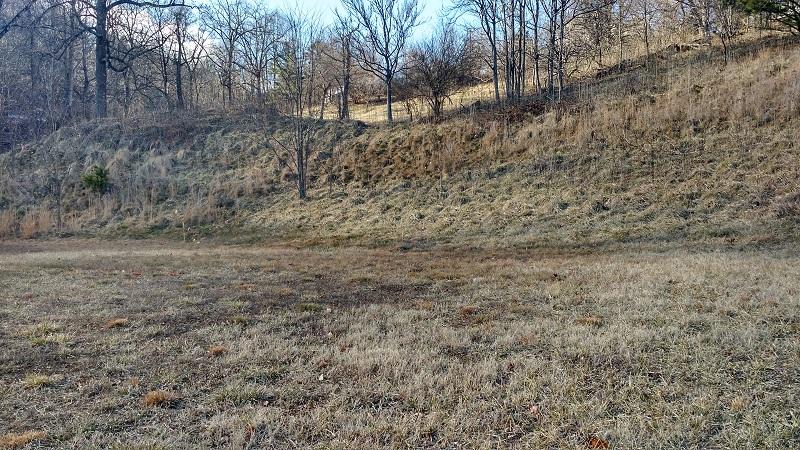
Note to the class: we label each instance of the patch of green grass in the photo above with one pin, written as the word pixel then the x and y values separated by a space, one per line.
pixel 240 394
pixel 309 307
pixel 38 380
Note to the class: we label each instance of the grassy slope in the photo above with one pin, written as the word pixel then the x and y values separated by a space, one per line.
pixel 685 148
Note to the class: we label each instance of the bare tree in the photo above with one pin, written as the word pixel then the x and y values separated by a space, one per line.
pixel 515 41
pixel 226 20
pixel 489 16
pixel 534 12
pixel 11 13
pixel 342 36
pixel 258 48
pixel 727 25
pixel 382 36
pixel 181 21
pixel 295 67
pixel 95 21
pixel 441 65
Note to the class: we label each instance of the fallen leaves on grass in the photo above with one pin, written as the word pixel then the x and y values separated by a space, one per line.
pixel 17 440
pixel 158 398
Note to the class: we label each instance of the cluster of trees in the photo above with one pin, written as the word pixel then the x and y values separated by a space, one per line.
pixel 66 59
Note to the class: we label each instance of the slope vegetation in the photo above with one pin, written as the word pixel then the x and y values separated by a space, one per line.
pixel 682 148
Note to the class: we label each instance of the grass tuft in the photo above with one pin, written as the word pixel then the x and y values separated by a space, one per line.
pixel 37 380
pixel 468 312
pixel 217 350
pixel 117 323
pixel 18 440
pixel 159 398
pixel 309 307
pixel 241 394
pixel 594 321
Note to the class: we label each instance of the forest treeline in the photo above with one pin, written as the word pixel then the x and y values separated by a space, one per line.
pixel 67 60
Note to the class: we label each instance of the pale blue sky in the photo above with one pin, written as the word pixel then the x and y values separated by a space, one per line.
pixel 429 17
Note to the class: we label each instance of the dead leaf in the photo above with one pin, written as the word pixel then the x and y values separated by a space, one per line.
pixel 596 442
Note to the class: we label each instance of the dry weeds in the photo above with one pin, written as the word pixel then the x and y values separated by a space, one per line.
pixel 37 380
pixel 117 323
pixel 158 398
pixel 684 148
pixel 217 350
pixel 696 349
pixel 14 440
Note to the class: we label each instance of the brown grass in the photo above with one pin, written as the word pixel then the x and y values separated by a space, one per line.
pixel 37 380
pixel 8 224
pixel 117 323
pixel 29 225
pixel 217 350
pixel 18 440
pixel 158 399
pixel 684 148
pixel 693 343
pixel 594 321
pixel 36 222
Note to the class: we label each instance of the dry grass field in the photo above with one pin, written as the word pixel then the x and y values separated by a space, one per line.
pixel 149 344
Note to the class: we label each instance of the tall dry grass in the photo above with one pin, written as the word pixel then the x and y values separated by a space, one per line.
pixel 36 222
pixel 8 224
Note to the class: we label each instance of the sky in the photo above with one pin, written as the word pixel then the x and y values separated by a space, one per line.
pixel 429 16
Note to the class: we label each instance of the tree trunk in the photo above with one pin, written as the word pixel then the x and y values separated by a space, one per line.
pixel 344 95
pixel 495 72
pixel 179 64
pixel 389 116
pixel 551 51
pixel 68 72
pixel 322 102
pixel 561 57
pixel 86 86
pixel 300 156
pixel 619 35
pixel 229 77
pixel 536 54
pixel 646 33
pixel 101 60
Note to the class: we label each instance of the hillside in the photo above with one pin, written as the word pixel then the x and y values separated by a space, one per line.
pixel 684 148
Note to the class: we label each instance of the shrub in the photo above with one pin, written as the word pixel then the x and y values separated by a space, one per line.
pixel 96 179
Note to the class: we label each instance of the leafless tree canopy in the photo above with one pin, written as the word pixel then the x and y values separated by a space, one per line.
pixel 381 39
pixel 66 61
pixel 441 65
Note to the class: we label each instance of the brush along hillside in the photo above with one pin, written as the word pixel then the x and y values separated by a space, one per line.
pixel 685 147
